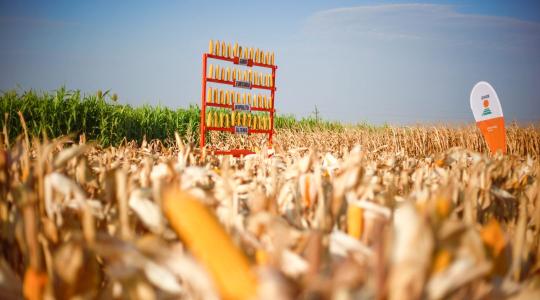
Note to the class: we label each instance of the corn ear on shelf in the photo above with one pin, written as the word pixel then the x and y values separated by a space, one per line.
pixel 231 51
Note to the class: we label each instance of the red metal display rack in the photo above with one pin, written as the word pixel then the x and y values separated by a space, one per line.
pixel 237 84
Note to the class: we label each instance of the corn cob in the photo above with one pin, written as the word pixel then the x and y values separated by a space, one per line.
pixel 228 74
pixel 223 49
pixel 209 119
pixel 218 50
pixel 251 55
pixel 272 59
pixel 229 50
pixel 248 119
pixel 227 124
pixel 221 119
pixel 233 118
pixel 211 47
pixel 235 50
pixel 216 119
pixel 216 72
pixel 203 234
pixel 355 220
pixel 208 95
pixel 222 74
pixel 210 71
pixel 271 80
pixel 254 122
pixel 250 75
pixel 244 119
pixel 215 96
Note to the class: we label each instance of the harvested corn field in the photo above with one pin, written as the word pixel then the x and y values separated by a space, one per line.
pixel 384 214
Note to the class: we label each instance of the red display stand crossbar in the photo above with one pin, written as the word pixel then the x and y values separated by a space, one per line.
pixel 204 104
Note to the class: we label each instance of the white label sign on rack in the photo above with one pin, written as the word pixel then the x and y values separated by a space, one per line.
pixel 243 61
pixel 242 84
pixel 242 107
pixel 240 130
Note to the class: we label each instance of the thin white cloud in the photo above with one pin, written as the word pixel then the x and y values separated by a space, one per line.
pixel 438 23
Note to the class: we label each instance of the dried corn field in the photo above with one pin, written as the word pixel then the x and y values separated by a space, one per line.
pixel 416 213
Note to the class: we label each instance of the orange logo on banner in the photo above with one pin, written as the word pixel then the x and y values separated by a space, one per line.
pixel 487 111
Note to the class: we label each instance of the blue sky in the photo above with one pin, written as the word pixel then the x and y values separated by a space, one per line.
pixel 399 62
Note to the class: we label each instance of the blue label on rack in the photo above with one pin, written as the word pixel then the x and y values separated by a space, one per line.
pixel 242 84
pixel 240 130
pixel 244 107
pixel 243 61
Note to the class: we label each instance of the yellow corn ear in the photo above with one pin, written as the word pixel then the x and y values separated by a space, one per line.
pixel 209 119
pixel 228 74
pixel 244 119
pixel 215 96
pixel 216 119
pixel 270 80
pixel 211 47
pixel 227 124
pixel 210 71
pixel 216 72
pixel 202 235
pixel 235 49
pixel 248 119
pixel 209 95
pixel 233 119
pixel 355 220
pixel 229 50
pixel 223 49
pixel 251 54
pixel 254 122
pixel 272 59
pixel 221 119
pixel 222 75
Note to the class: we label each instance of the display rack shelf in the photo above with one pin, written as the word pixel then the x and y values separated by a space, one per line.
pixel 271 110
